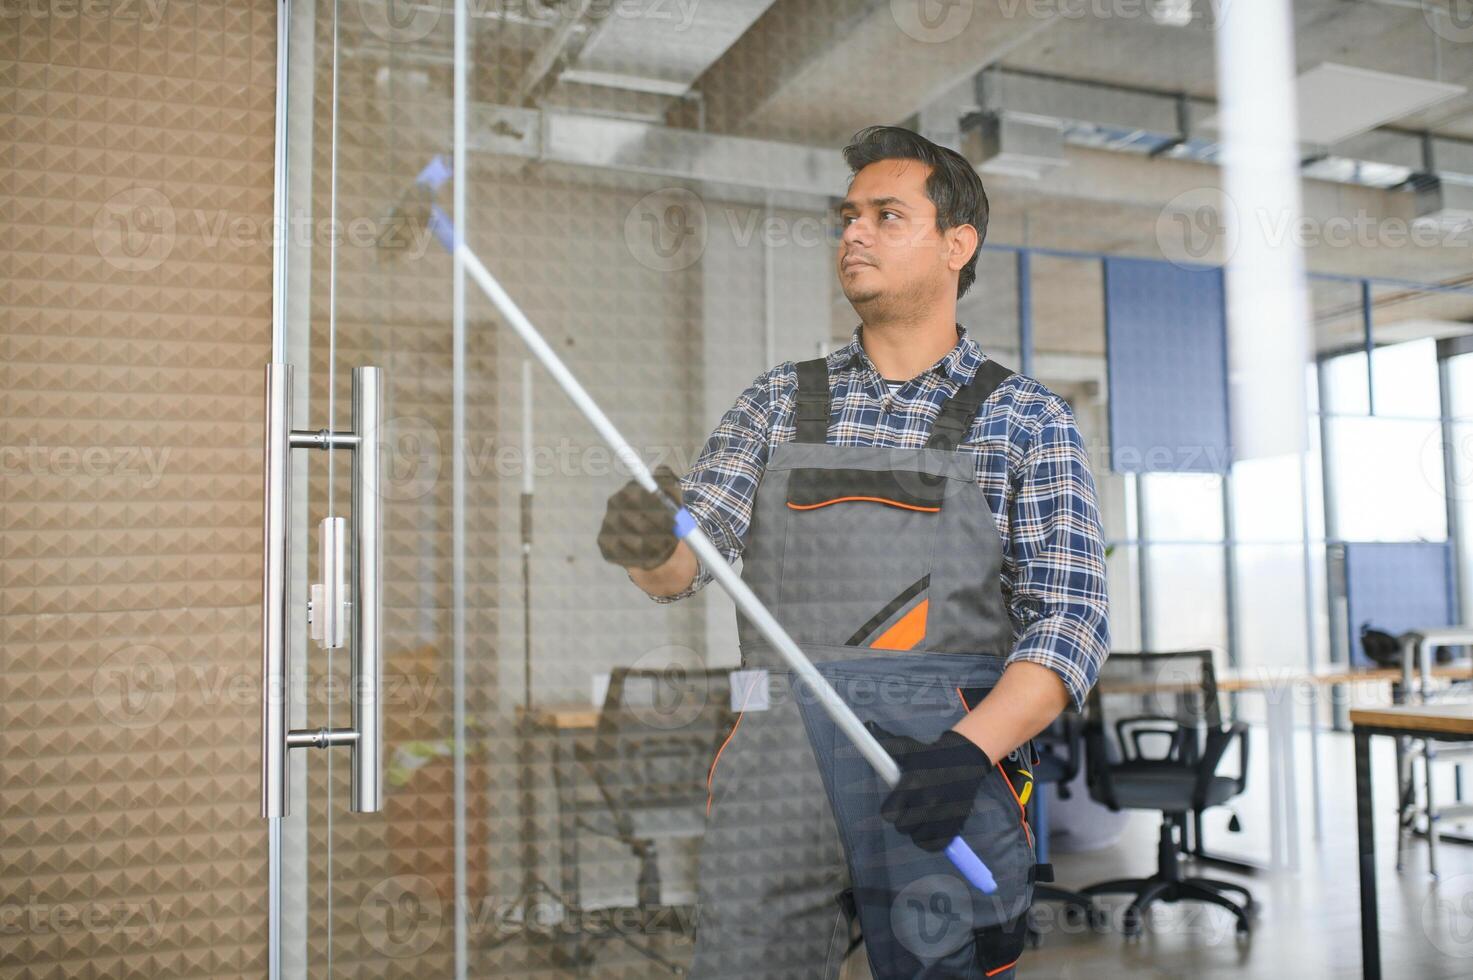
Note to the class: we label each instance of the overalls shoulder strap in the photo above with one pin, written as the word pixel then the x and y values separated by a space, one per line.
pixel 811 415
pixel 956 416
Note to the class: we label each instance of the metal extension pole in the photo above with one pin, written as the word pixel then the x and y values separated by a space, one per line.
pixel 686 528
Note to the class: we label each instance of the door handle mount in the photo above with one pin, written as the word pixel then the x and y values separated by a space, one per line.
pixel 363 604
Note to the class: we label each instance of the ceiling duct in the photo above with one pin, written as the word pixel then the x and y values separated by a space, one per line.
pixel 1129 120
pixel 1013 143
pixel 1013 122
pixel 739 168
pixel 1444 205
pixel 661 47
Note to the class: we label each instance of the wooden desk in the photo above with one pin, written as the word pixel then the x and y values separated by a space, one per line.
pixel 1325 675
pixel 1449 722
pixel 1260 678
pixel 1439 720
pixel 565 717
pixel 1278 686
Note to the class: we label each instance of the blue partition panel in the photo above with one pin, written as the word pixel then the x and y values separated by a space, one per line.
pixel 1396 586
pixel 1166 349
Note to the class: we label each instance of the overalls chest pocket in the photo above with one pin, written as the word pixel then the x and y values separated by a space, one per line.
pixel 857 553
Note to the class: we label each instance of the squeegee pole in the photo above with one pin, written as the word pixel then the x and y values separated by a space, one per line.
pixel 686 528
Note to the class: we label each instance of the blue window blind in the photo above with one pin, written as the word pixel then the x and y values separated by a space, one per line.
pixel 1166 350
pixel 1396 586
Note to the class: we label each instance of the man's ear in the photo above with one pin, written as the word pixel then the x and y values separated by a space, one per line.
pixel 962 243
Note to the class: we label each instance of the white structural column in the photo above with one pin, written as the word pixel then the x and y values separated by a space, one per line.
pixel 1267 300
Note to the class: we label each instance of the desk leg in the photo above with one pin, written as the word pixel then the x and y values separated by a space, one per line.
pixel 1370 937
pixel 1316 787
pixel 1276 783
pixel 1291 779
pixel 563 773
pixel 1429 756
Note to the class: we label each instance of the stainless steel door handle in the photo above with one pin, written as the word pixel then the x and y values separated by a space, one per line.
pixel 368 598
pixel 365 735
pixel 275 613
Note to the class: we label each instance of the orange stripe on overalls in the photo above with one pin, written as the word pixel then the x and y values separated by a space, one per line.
pixel 906 632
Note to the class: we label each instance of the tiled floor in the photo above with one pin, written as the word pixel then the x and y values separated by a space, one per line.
pixel 1308 928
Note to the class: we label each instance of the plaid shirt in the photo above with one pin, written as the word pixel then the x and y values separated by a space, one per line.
pixel 1031 465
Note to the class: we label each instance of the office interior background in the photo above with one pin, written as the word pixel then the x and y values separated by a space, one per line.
pixel 195 189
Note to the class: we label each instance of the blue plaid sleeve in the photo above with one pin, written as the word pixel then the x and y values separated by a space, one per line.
pixel 722 483
pixel 1057 555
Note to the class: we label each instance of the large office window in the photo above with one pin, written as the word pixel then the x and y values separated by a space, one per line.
pixel 1390 453
pixel 1068 342
pixel 1386 470
pixel 1238 563
pixel 1185 570
pixel 1278 589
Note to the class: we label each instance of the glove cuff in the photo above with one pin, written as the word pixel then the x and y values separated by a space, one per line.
pixel 955 742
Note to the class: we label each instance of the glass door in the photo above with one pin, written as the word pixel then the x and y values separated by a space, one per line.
pixel 666 266
pixel 381 782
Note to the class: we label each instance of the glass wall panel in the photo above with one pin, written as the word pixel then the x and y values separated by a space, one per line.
pixel 1187 601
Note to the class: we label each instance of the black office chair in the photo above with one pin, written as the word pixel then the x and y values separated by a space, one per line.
pixel 1154 738
pixel 656 735
pixel 1058 763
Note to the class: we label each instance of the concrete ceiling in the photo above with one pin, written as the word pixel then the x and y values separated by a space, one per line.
pixel 1134 51
pixel 817 70
pixel 814 71
pixel 820 69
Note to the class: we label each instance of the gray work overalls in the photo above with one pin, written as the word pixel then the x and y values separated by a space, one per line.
pixel 883 564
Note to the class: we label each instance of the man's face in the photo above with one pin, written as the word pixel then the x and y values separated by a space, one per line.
pixel 891 258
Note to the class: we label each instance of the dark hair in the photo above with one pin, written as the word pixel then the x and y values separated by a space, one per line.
pixel 953 185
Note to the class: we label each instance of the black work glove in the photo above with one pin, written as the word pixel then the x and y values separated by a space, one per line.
pixel 638 529
pixel 938 784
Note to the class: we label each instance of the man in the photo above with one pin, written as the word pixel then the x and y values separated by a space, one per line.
pixel 923 522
